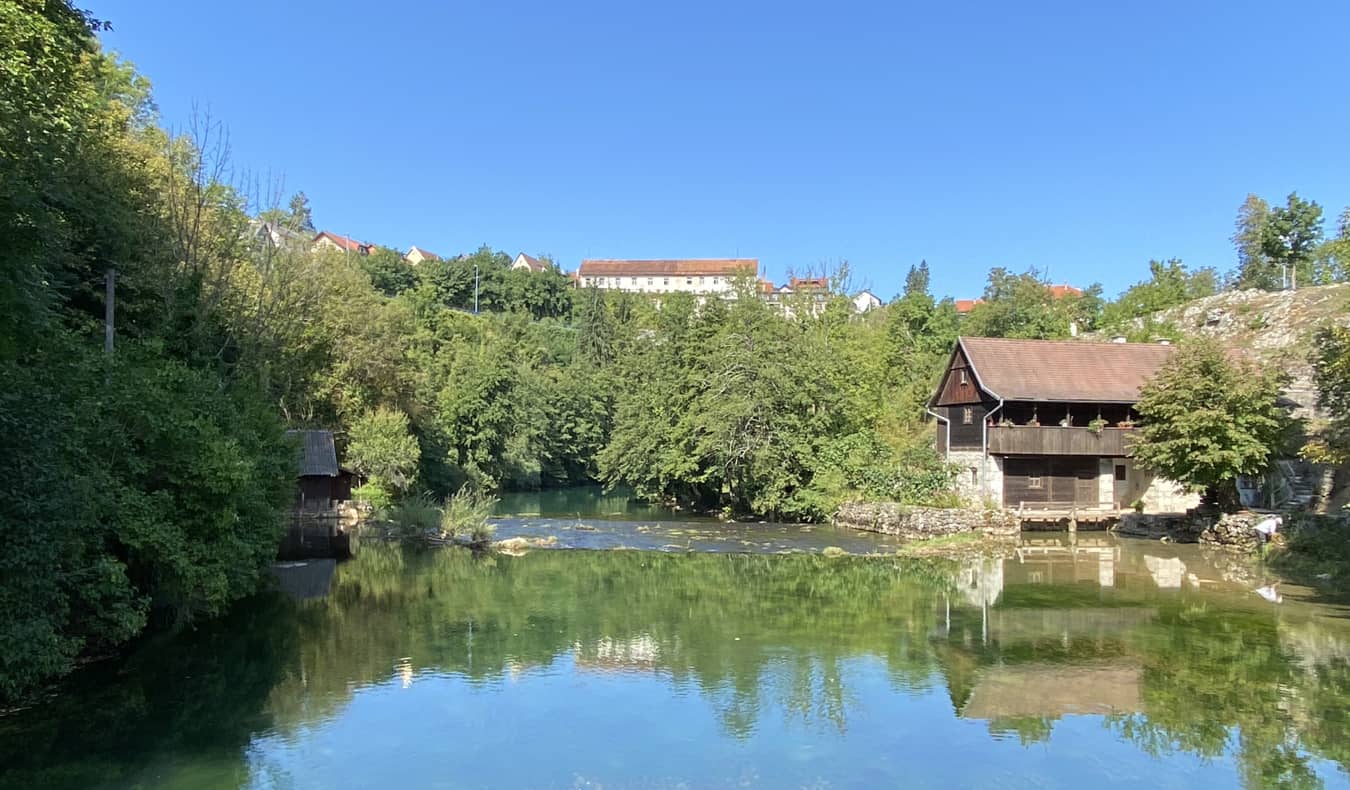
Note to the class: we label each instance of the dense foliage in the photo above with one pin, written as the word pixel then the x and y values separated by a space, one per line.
pixel 151 481
pixel 1209 418
pixel 147 483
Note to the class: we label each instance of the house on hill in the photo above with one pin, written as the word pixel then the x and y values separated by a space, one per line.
pixel 332 241
pixel 1047 425
pixel 865 301
pixel 529 263
pixel 416 255
pixel 696 276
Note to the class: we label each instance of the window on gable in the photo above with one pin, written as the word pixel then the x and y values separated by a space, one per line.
pixel 964 380
pixel 967 416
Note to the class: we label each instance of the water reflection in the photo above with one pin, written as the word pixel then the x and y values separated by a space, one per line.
pixel 624 668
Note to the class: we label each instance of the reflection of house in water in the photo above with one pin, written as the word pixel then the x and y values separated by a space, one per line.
pixel 636 654
pixel 1054 560
pixel 980 582
pixel 1052 690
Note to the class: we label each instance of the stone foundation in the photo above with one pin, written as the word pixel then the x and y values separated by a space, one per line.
pixel 1176 527
pixel 916 523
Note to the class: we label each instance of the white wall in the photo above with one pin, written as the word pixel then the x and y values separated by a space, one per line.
pixel 662 283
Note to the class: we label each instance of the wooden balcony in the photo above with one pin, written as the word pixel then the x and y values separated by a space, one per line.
pixel 1055 440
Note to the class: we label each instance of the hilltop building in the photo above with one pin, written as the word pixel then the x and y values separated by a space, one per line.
pixel 332 241
pixel 1047 425
pixel 530 263
pixel 865 301
pixel 696 276
pixel 416 255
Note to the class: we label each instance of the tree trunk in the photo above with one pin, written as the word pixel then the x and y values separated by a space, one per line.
pixel 1222 497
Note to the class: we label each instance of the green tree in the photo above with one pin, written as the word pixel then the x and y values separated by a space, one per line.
pixel 381 447
pixel 1276 244
pixel 1169 285
pixel 1331 372
pixel 917 279
pixel 1026 306
pixel 388 271
pixel 1208 418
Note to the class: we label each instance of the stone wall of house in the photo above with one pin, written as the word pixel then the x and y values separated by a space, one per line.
pixel 979 478
pixel 892 518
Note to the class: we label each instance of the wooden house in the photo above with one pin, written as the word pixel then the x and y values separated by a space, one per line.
pixel 322 484
pixel 1047 425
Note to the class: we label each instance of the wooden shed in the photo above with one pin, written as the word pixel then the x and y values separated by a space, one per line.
pixel 321 482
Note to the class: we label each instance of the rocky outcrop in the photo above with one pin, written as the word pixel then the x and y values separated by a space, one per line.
pixel 917 523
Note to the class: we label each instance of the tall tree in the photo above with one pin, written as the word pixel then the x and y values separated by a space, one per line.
pixel 917 280
pixel 1277 246
pixel 1208 418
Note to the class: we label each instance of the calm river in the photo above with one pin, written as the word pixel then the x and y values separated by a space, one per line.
pixel 721 657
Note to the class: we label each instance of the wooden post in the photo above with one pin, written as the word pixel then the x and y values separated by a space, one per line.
pixel 109 307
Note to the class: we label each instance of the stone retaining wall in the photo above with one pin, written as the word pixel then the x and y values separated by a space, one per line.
pixel 892 518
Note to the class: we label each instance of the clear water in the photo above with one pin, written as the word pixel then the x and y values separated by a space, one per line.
pixel 1064 664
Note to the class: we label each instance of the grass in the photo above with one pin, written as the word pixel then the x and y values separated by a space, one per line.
pixel 461 518
pixel 466 515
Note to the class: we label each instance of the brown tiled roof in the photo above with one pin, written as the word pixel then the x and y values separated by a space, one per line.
pixel 713 266
pixel 1057 370
pixel 966 305
pixel 1061 291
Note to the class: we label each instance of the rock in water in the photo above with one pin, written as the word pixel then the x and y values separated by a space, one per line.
pixel 1235 532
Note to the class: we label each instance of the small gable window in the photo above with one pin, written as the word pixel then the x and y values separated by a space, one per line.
pixel 967 416
pixel 964 380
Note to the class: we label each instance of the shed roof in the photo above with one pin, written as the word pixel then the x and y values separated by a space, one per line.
pixel 1056 370
pixel 682 267
pixel 318 455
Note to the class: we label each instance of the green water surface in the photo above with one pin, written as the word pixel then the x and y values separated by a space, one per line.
pixel 1094 662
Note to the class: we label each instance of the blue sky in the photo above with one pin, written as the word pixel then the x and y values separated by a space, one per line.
pixel 1077 137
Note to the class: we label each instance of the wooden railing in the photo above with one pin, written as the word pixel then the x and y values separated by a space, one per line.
pixel 1056 440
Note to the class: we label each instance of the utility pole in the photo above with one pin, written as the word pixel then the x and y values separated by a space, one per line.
pixel 109 307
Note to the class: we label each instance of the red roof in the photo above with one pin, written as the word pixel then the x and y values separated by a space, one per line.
pixel 725 267
pixel 342 242
pixel 809 283
pixel 1061 291
pixel 966 305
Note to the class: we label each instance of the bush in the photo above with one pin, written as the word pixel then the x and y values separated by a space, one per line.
pixel 375 495
pixel 416 518
pixel 466 513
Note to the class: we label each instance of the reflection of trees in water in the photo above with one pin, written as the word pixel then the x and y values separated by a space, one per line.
pixel 198 696
pixel 754 635
pixel 739 628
